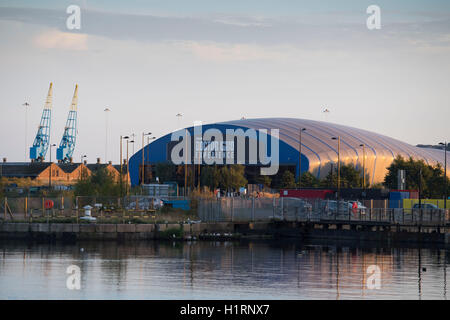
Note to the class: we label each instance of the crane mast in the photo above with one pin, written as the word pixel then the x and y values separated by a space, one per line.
pixel 67 145
pixel 42 139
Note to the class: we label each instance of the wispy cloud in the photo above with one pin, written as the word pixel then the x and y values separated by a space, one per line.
pixel 55 39
pixel 219 52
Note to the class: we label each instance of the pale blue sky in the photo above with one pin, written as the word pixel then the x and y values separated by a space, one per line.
pixel 221 60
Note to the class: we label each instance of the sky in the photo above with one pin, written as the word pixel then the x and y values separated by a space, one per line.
pixel 215 61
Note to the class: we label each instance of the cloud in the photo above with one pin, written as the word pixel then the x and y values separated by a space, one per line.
pixel 219 52
pixel 54 39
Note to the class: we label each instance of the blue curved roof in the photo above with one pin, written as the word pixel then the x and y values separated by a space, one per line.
pixel 319 151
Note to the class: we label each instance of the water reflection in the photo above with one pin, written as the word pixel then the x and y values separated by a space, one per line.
pixel 221 270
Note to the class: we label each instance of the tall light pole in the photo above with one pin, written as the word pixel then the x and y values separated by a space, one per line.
pixel 364 165
pixel 300 158
pixel 185 163
pixel 128 165
pixel 107 110
pixel 143 164
pixel 81 162
pixel 50 174
pixel 132 140
pixel 179 116
pixel 26 105
pixel 445 172
pixel 338 138
pixel 121 163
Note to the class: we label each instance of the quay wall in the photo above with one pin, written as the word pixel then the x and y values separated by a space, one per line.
pixel 226 231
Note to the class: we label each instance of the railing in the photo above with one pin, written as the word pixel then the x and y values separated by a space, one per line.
pixel 312 210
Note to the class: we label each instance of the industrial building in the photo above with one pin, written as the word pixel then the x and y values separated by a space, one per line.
pixel 321 145
pixel 61 173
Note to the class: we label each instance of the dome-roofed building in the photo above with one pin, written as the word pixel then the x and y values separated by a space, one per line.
pixel 318 148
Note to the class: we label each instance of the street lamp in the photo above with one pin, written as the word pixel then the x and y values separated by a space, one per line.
pixel 81 162
pixel 143 164
pixel 132 140
pixel 50 175
pixel 338 138
pixel 445 172
pixel 121 162
pixel 107 110
pixel 300 158
pixel 364 165
pixel 26 105
pixel 128 165
pixel 179 116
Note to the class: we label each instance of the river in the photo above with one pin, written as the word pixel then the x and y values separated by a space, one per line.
pixel 221 270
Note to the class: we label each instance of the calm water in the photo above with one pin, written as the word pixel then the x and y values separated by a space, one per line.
pixel 214 270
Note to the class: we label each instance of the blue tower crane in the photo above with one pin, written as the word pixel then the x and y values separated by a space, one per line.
pixel 67 145
pixel 41 142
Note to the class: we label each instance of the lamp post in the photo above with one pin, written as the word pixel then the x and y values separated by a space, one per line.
pixel 132 140
pixel 143 164
pixel 26 105
pixel 300 157
pixel 128 166
pixel 107 110
pixel 420 189
pixel 50 174
pixel 179 116
pixel 338 138
pixel 185 163
pixel 364 165
pixel 81 162
pixel 121 163
pixel 445 173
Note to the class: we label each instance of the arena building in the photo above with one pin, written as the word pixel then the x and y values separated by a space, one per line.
pixel 251 141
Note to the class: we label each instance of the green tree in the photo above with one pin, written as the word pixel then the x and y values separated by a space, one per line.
pixel 266 181
pixel 431 178
pixel 209 177
pixel 288 180
pixel 100 183
pixel 307 180
pixel 237 174
pixel 350 177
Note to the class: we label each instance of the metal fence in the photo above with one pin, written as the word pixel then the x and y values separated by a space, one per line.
pixel 294 209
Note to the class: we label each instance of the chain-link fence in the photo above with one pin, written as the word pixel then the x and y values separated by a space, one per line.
pixel 70 207
pixel 295 209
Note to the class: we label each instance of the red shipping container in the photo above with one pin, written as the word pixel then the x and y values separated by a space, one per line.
pixel 305 193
